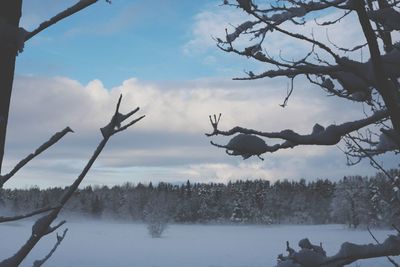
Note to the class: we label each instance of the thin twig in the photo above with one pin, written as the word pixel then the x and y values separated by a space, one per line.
pixel 39 263
pixel 370 157
pixel 396 228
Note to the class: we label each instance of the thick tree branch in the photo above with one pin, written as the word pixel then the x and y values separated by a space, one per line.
pixel 329 136
pixel 348 253
pixel 389 94
pixel 298 36
pixel 294 71
pixel 394 263
pixel 10 14
pixel 247 145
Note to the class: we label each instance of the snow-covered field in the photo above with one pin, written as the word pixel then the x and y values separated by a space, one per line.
pixel 114 244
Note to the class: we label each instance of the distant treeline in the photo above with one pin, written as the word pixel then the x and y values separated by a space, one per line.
pixel 354 200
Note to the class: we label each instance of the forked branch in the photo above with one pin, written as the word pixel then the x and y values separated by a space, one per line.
pixel 43 226
pixel 330 135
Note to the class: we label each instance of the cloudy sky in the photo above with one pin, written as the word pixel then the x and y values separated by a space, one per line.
pixel 161 56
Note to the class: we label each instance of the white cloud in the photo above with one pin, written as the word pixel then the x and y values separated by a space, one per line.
pixel 169 144
pixel 210 24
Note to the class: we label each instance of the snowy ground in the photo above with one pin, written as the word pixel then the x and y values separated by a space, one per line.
pixel 112 244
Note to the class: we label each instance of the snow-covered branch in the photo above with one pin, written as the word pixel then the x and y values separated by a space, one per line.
pixel 248 145
pixel 393 262
pixel 331 67
pixel 312 255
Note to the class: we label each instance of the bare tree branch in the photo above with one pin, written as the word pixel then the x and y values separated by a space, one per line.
pixel 82 4
pixel 350 252
pixel 54 139
pixel 370 157
pixel 23 216
pixel 43 226
pixel 39 263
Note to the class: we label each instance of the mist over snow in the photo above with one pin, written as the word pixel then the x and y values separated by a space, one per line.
pixel 169 144
pixel 92 243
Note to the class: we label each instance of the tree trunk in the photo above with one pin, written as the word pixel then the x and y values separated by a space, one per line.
pixel 10 14
pixel 387 90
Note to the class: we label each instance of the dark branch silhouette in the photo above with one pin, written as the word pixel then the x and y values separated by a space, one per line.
pixel 60 238
pixel 42 226
pixel 23 216
pixel 336 71
pixel 82 4
pixel 54 139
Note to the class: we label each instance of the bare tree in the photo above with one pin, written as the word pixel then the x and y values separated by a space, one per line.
pixel 12 41
pixel 374 82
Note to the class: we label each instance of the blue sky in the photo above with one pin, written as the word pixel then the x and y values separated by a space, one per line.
pixel 143 39
pixel 161 56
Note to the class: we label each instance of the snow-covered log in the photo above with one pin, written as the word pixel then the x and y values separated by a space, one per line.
pixel 348 253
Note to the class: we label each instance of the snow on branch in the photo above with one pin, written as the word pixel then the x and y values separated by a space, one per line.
pixel 356 78
pixel 54 139
pixel 239 30
pixel 275 16
pixel 350 252
pixel 281 13
pixel 248 144
pixel 42 226
pixel 393 262
pixel 388 17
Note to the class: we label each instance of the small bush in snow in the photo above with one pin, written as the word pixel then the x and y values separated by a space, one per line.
pixel 156 215
pixel 156 228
